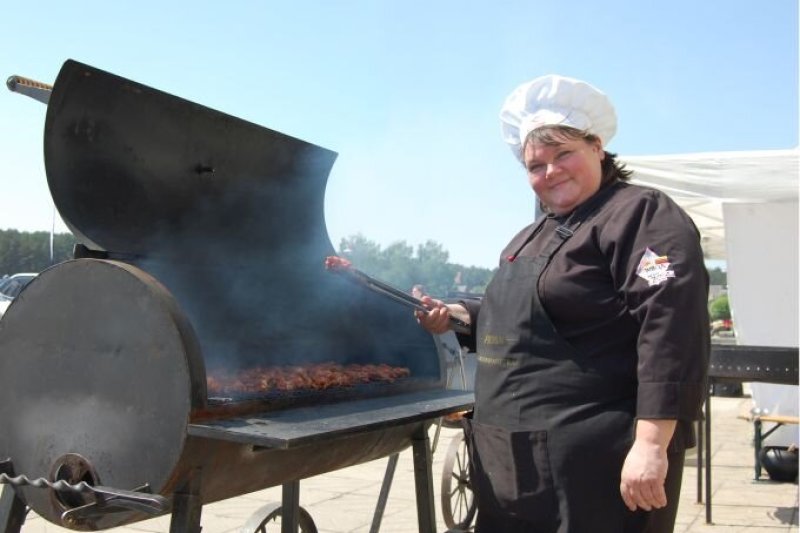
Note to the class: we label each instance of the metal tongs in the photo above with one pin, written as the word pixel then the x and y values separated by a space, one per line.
pixel 345 267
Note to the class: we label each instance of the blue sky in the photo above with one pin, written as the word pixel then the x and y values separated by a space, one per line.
pixel 408 93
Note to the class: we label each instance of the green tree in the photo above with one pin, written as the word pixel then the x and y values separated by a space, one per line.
pixel 717 276
pixel 719 308
pixel 398 265
pixel 365 254
pixel 433 270
pixel 403 267
pixel 31 251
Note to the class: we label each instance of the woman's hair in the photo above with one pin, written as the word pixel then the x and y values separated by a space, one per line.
pixel 556 135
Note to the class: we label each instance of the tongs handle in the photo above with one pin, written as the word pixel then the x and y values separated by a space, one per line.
pixel 344 267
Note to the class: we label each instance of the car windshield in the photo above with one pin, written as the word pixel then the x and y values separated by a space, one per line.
pixel 12 286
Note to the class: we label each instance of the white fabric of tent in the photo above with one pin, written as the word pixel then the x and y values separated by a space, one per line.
pixel 745 205
pixel 702 182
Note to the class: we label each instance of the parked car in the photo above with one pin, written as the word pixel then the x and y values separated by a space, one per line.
pixel 11 286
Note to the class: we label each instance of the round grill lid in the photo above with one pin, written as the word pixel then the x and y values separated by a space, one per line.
pixel 96 356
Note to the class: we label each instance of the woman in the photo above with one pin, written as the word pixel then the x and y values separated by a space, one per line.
pixel 591 339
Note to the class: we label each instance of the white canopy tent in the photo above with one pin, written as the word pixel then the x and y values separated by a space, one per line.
pixel 745 205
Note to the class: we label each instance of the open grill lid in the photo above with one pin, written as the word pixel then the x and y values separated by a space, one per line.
pixel 138 171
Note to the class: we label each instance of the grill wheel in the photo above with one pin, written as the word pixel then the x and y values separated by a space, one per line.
pixel 267 519
pixel 457 499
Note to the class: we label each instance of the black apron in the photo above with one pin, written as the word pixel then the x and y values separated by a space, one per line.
pixel 551 428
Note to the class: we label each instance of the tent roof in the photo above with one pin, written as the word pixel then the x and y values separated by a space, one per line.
pixel 702 182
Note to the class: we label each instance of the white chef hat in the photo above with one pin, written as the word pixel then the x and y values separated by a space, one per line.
pixel 556 100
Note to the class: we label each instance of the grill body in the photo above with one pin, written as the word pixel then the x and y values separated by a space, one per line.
pixel 202 240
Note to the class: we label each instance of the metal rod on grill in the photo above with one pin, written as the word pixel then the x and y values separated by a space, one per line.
pixel 343 266
pixel 138 501
pixel 35 89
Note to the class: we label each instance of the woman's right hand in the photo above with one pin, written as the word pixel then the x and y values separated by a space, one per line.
pixel 437 319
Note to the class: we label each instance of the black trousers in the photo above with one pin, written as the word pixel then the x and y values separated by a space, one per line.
pixel 656 521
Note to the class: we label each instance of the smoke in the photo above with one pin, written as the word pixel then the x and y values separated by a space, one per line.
pixel 229 217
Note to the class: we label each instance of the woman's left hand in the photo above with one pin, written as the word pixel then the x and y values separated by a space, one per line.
pixel 643 475
pixel 645 469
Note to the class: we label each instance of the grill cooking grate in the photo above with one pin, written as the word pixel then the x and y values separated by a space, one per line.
pixel 333 393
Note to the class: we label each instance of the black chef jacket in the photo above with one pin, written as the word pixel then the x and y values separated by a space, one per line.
pixel 632 279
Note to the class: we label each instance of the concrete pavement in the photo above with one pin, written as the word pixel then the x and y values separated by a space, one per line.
pixel 344 501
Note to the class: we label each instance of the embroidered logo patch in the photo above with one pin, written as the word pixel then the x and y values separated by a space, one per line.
pixel 654 268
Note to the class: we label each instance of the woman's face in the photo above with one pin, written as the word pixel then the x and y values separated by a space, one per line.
pixel 565 175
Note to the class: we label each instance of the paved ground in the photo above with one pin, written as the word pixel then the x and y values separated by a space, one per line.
pixel 345 501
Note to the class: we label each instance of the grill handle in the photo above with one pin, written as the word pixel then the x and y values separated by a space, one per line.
pixel 137 501
pixel 32 88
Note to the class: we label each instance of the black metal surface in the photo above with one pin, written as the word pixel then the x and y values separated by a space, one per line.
pixel 738 363
pixel 297 427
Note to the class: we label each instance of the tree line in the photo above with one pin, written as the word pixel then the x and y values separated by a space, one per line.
pixel 22 251
pixel 399 264
pixel 403 266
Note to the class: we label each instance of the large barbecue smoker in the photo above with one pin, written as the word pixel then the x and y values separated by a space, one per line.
pixel 195 348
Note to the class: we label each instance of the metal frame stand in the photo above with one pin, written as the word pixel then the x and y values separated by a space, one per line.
pixel 423 484
pixel 388 477
pixel 187 506
pixel 12 510
pixel 423 481
pixel 707 438
pixel 700 441
pixel 290 507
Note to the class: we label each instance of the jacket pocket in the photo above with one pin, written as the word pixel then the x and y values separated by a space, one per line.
pixel 510 472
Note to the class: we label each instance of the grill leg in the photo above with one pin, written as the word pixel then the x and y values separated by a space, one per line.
pixel 757 439
pixel 290 507
pixel 423 480
pixel 187 506
pixel 391 466
pixel 12 510
pixel 708 459
pixel 700 428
